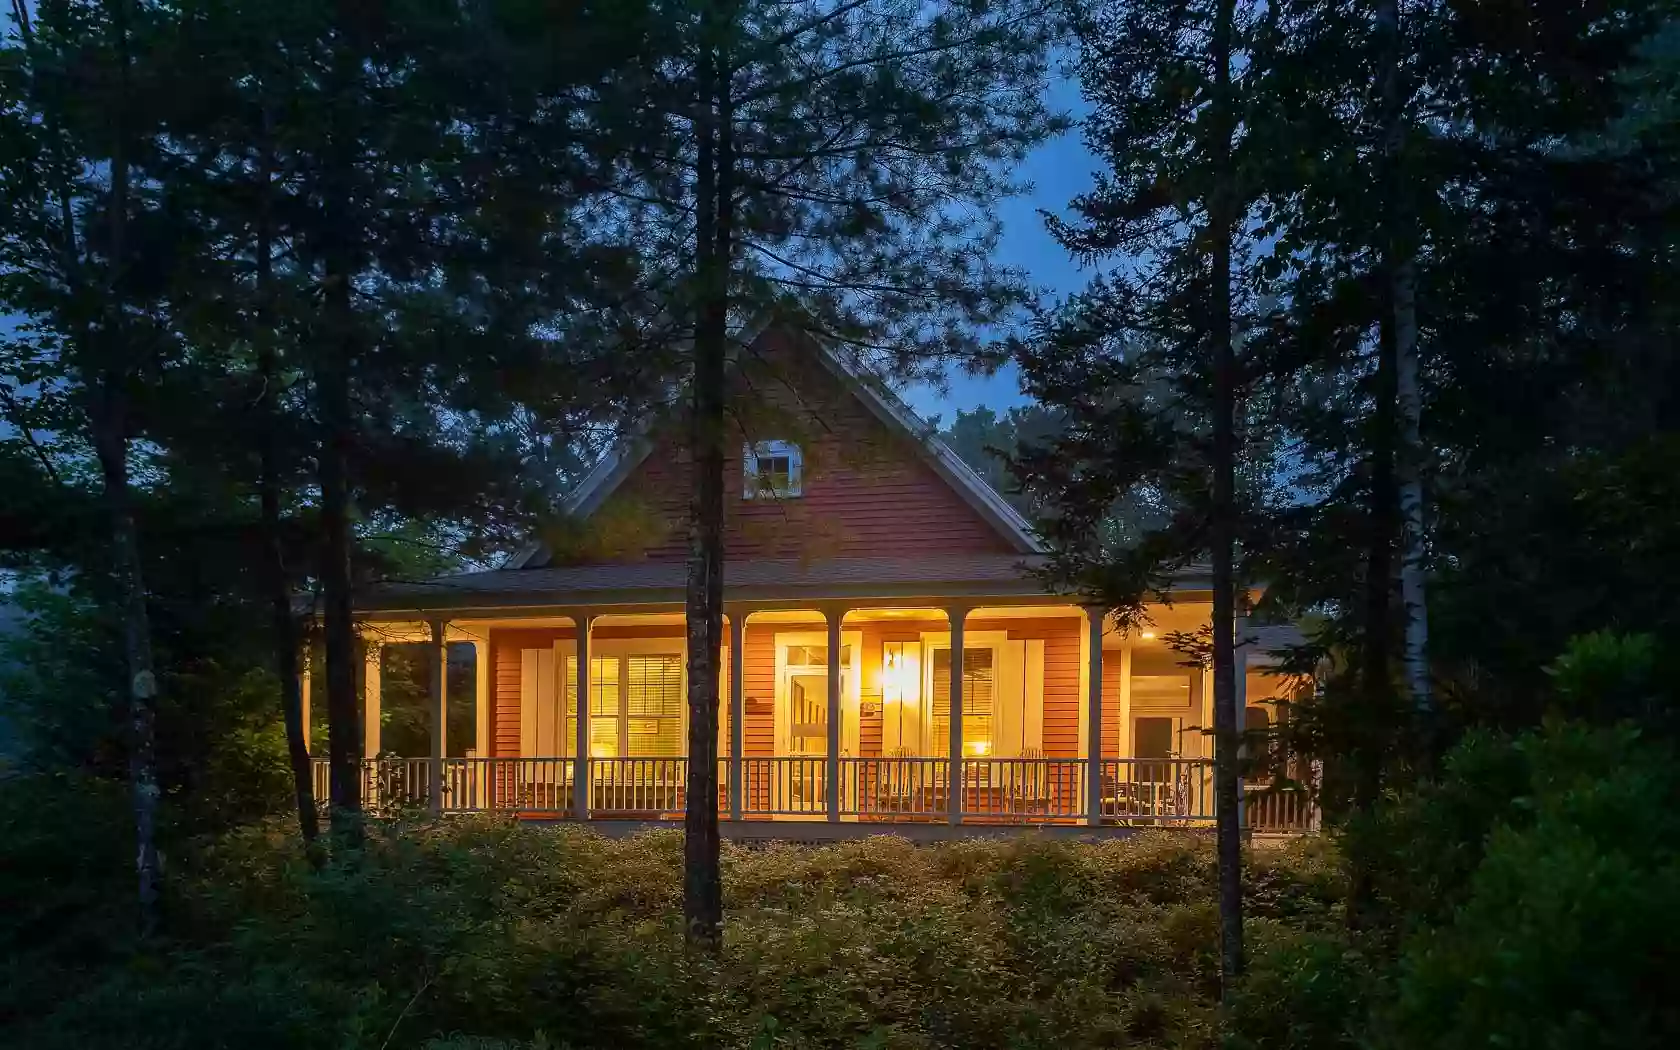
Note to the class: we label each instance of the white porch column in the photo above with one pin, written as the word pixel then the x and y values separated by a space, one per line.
pixel 370 698
pixel 737 710
pixel 1094 618
pixel 834 617
pixel 437 668
pixel 959 620
pixel 580 760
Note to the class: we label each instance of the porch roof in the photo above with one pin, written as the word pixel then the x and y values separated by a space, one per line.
pixel 662 583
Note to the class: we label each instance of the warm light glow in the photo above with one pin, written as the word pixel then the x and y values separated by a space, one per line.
pixel 1147 636
pixel 979 748
pixel 892 673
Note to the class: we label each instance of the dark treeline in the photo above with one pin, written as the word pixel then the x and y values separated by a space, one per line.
pixel 299 296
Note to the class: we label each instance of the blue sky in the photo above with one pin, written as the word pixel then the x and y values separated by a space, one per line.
pixel 1059 171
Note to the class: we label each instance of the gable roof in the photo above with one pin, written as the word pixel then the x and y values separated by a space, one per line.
pixel 614 468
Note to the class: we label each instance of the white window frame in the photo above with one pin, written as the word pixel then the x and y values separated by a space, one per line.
pixel 752 453
pixel 931 643
pixel 619 649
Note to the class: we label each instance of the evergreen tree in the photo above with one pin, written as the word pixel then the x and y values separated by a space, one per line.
pixel 1142 484
pixel 78 262
pixel 833 163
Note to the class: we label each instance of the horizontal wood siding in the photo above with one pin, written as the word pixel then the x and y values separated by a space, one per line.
pixel 867 489
pixel 1061 676
pixel 1111 703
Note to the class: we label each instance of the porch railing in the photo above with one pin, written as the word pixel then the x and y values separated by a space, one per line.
pixel 1133 792
pixel 790 786
pixel 1156 791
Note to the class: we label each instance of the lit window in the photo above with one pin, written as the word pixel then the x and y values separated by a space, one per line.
pixel 978 700
pixel 771 470
pixel 636 705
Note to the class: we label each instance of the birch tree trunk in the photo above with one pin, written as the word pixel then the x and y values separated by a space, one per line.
pixel 111 446
pixel 714 190
pixel 1222 526
pixel 1409 398
pixel 105 371
pixel 1400 252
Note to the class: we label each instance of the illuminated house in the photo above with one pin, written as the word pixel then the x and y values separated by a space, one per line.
pixel 884 642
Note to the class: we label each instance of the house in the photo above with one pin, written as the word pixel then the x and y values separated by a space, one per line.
pixel 889 658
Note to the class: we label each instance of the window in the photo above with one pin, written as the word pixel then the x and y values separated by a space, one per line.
pixel 635 705
pixel 979 700
pixel 1160 679
pixel 771 470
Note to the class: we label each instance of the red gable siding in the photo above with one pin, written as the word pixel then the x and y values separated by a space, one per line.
pixel 867 490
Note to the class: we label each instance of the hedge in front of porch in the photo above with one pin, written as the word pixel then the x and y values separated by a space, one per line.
pixel 480 930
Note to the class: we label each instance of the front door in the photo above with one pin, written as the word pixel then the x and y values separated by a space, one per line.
pixel 800 773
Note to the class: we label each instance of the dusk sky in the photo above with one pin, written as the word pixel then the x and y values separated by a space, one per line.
pixel 1059 171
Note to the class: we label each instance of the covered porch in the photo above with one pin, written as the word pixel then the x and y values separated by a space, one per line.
pixel 1005 711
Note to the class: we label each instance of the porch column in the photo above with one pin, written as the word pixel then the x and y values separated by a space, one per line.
pixel 303 702
pixel 834 617
pixel 1094 618
pixel 737 710
pixel 370 698
pixel 958 616
pixel 580 756
pixel 437 663
pixel 1239 656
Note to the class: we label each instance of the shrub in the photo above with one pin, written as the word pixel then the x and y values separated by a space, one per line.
pixel 1564 934
pixel 483 933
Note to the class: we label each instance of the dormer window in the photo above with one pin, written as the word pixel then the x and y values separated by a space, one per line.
pixel 771 470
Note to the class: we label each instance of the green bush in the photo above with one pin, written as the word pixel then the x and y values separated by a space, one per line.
pixel 1565 933
pixel 481 933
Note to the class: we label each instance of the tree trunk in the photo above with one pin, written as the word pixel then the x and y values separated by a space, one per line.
pixel 1222 523
pixel 336 355
pixel 1373 723
pixel 344 730
pixel 702 878
pixel 1400 252
pixel 111 445
pixel 108 420
pixel 268 483
pixel 1409 400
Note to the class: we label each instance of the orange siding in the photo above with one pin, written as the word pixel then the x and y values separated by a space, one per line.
pixel 866 488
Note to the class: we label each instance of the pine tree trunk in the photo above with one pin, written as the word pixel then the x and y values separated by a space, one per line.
pixel 1399 251
pixel 1222 523
pixel 336 356
pixel 702 877
pixel 1374 723
pixel 344 730
pixel 268 484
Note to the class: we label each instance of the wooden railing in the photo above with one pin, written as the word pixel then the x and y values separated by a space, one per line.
pixel 1144 791
pixel 792 786
pixel 1012 790
pixel 894 788
pixel 1133 792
